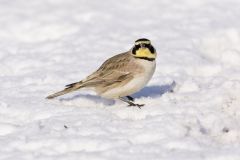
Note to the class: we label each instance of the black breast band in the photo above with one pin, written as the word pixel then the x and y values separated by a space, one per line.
pixel 146 58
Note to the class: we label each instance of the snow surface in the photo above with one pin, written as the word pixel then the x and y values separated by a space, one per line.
pixel 192 107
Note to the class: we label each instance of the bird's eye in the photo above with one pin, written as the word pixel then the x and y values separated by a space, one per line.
pixel 138 46
pixel 135 48
pixel 152 49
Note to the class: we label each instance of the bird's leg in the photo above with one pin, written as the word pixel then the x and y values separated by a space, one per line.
pixel 130 98
pixel 130 103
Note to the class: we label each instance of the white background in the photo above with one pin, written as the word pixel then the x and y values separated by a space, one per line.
pixel 47 44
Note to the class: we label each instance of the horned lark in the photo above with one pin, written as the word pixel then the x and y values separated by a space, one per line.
pixel 121 75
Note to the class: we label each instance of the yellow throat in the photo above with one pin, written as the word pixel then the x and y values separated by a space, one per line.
pixel 144 52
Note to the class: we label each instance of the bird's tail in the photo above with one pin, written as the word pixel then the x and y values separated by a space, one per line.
pixel 69 88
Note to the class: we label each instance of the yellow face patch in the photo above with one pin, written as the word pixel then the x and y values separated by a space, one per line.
pixel 144 52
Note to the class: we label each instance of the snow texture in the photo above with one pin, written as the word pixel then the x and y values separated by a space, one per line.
pixel 192 107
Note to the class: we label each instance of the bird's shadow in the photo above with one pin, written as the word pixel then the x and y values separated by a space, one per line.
pixel 155 91
pixel 149 91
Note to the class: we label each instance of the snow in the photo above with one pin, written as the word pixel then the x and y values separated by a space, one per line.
pixel 192 101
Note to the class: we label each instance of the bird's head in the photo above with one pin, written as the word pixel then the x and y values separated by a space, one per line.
pixel 143 49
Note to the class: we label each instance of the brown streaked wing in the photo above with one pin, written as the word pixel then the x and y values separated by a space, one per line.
pixel 113 70
pixel 112 78
pixel 118 62
pixel 115 79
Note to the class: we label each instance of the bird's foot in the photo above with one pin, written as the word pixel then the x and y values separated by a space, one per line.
pixel 136 105
pixel 131 103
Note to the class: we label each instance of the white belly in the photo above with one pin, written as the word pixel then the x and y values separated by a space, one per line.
pixel 136 84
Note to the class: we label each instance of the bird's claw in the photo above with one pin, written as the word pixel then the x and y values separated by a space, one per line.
pixel 136 105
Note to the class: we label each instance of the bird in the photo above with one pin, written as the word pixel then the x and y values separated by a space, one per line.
pixel 121 75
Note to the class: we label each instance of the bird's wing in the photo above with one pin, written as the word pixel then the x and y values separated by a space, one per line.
pixel 111 80
pixel 113 70
pixel 108 78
